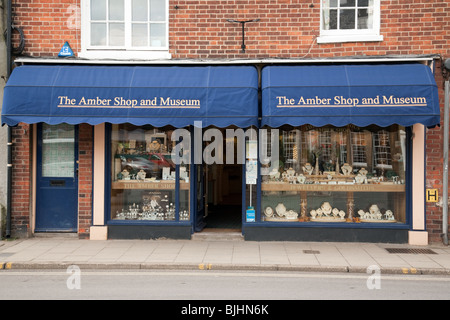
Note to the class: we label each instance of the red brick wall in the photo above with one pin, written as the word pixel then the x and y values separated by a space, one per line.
pixel 85 145
pixel 435 163
pixel 46 24
pixel 287 29
pixel 198 28
pixel 21 177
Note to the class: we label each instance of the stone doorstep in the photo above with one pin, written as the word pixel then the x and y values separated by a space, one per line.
pixel 218 235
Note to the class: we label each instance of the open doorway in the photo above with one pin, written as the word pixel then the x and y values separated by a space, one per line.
pixel 224 197
pixel 219 186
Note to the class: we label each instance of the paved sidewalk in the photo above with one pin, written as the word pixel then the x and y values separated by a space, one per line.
pixel 57 253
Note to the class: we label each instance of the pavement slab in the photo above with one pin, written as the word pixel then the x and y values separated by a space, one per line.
pixel 224 255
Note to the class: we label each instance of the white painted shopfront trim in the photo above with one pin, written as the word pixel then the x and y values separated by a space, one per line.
pixel 418 235
pixel 98 230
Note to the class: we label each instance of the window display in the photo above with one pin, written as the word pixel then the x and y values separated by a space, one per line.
pixel 144 178
pixel 331 174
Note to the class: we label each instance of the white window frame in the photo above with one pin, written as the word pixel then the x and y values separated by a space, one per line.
pixel 352 35
pixel 126 52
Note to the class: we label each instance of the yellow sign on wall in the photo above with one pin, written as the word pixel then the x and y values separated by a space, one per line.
pixel 432 195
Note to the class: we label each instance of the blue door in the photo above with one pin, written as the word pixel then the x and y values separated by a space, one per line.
pixel 57 181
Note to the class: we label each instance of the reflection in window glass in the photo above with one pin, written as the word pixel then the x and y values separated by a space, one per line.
pixel 98 34
pixel 144 177
pixel 139 35
pixel 116 34
pixel 98 9
pixel 116 10
pixel 347 3
pixel 158 10
pixel 140 10
pixel 364 19
pixel 347 14
pixel 329 174
pixel 144 27
pixel 347 19
pixel 158 35
pixel 58 150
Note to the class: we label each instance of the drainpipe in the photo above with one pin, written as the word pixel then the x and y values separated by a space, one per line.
pixel 9 143
pixel 445 178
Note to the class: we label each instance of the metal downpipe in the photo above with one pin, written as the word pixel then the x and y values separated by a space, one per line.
pixel 9 143
pixel 445 174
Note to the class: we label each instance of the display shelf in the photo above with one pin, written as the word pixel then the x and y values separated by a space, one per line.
pixel 300 195
pixel 381 187
pixel 148 185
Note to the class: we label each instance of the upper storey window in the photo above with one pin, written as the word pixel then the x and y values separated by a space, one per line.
pixel 125 28
pixel 350 20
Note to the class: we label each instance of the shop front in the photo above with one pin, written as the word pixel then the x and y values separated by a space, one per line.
pixel 150 128
pixel 314 152
pixel 350 156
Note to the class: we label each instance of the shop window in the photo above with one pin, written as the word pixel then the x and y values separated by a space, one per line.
pixel 125 28
pixel 348 175
pixel 349 21
pixel 144 179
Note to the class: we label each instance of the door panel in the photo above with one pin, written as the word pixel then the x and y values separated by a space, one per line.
pixel 200 198
pixel 57 181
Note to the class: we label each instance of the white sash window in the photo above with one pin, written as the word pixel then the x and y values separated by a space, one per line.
pixel 125 28
pixel 350 21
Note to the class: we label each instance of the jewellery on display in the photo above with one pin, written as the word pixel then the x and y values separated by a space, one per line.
pixel 327 214
pixel 282 214
pixel 152 208
pixel 375 215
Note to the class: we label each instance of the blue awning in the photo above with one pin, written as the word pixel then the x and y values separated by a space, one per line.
pixel 339 95
pixel 159 96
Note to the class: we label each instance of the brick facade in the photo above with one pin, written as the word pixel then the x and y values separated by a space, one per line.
pixel 199 30
pixel 85 155
pixel 287 29
pixel 21 180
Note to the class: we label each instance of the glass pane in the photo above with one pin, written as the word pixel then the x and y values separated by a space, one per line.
pixel 116 10
pixel 116 34
pixel 98 34
pixel 347 19
pixel 143 175
pixel 157 10
pixel 332 20
pixel 139 36
pixel 140 10
pixel 363 3
pixel 364 20
pixel 333 3
pixel 330 174
pixel 58 150
pixel 98 9
pixel 158 35
pixel 184 193
pixel 347 3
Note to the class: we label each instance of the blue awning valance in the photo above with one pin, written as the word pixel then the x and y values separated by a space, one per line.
pixel 159 96
pixel 339 95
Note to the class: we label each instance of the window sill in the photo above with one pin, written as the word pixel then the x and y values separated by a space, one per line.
pixel 125 55
pixel 349 38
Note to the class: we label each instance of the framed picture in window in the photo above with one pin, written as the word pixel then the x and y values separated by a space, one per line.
pixel 156 142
